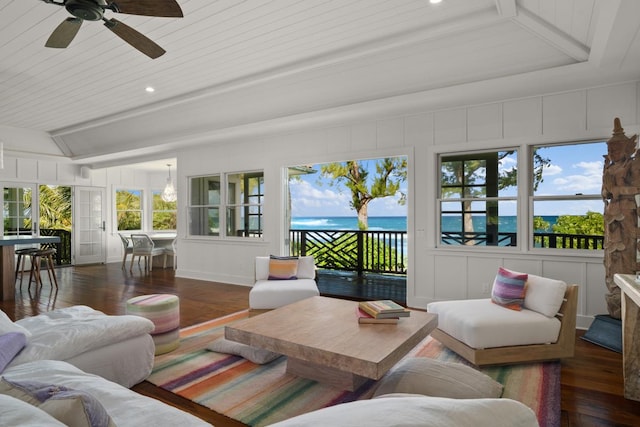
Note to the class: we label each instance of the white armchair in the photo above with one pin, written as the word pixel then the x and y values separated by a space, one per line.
pixel 268 294
pixel 485 333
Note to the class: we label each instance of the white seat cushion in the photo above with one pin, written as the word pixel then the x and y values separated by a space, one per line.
pixel 481 324
pixel 269 294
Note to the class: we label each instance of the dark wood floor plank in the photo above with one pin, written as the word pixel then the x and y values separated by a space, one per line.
pixel 592 385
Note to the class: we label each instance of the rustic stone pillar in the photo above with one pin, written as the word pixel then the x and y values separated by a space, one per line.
pixel 620 185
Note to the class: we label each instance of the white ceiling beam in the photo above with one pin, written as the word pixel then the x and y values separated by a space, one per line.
pixel 616 29
pixel 551 35
pixel 507 8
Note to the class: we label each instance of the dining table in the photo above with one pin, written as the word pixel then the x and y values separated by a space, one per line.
pixel 8 267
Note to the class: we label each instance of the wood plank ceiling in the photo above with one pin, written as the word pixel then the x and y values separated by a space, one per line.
pixel 230 63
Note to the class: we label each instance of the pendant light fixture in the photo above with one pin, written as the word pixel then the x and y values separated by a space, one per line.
pixel 169 194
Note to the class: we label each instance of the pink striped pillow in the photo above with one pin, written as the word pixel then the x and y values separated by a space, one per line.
pixel 509 289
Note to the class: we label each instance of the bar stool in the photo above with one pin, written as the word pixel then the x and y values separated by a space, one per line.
pixel 22 257
pixel 36 258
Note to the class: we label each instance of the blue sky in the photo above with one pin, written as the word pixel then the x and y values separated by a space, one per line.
pixel 312 196
pixel 573 169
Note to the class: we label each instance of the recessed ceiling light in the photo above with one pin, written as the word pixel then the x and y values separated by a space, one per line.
pixel 149 89
pixel 435 1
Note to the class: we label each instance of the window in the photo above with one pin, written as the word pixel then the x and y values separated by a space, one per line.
pixel 566 196
pixel 129 209
pixel 478 199
pixel 239 195
pixel 17 210
pixel 163 214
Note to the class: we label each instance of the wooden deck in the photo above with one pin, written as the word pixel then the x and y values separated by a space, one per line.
pixel 368 287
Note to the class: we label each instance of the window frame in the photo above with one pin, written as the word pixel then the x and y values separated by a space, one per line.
pixel 224 205
pixel 532 198
pixel 116 189
pixel 154 211
pixel 470 154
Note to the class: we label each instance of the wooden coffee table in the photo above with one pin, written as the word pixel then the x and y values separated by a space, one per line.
pixel 324 341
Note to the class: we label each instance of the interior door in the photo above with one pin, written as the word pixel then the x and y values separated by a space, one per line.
pixel 89 225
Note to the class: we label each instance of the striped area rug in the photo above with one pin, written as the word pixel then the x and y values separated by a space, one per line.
pixel 259 395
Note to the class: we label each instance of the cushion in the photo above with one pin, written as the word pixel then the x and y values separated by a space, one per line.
pixel 544 295
pixel 70 407
pixel 15 412
pixel 509 288
pixel 475 322
pixel 256 355
pixel 306 267
pixel 419 411
pixel 283 268
pixel 7 325
pixel 10 344
pixel 429 377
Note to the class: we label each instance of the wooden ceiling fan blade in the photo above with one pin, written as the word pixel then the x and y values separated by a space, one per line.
pixel 160 8
pixel 64 33
pixel 134 38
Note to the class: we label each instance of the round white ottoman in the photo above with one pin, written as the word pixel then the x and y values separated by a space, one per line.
pixel 164 311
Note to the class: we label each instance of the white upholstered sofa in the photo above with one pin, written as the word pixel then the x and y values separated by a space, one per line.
pixel 485 333
pixel 114 352
pixel 118 348
pixel 267 294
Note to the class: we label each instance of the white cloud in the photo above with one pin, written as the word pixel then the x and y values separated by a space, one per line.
pixel 590 168
pixel 551 170
pixel 307 200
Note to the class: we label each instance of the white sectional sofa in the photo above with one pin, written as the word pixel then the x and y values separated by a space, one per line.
pixel 88 360
pixel 118 348
pixel 123 406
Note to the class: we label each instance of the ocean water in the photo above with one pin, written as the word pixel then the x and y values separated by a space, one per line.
pixel 506 224
pixel 376 223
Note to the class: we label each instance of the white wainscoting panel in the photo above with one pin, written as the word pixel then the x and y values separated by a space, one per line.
pixel 485 122
pixel 522 118
pixel 450 126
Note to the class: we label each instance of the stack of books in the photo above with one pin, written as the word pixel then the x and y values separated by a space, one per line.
pixel 381 311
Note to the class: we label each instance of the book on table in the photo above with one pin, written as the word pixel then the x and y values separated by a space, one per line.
pixel 364 317
pixel 383 309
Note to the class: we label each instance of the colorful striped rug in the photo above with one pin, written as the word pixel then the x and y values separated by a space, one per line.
pixel 259 395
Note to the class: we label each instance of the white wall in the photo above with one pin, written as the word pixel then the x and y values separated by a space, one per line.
pixel 434 273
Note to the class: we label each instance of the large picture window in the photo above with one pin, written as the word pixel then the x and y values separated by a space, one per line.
pixel 478 199
pixel 566 202
pixel 240 196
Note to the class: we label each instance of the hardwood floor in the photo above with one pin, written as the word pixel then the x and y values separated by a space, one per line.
pixel 592 385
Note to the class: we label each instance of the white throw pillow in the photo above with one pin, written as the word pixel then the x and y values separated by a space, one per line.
pixel 429 377
pixel 15 412
pixel 7 325
pixel 73 408
pixel 419 411
pixel 306 267
pixel 256 355
pixel 544 295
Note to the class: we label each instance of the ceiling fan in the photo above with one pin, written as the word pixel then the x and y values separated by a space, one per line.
pixel 93 10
